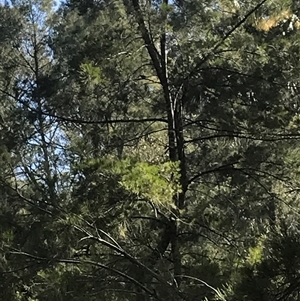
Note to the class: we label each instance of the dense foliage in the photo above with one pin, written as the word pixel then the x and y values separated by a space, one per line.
pixel 149 150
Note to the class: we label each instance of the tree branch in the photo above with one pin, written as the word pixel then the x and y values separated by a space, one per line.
pixel 90 262
pixel 219 168
pixel 226 36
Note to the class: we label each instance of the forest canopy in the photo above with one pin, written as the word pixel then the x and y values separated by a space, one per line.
pixel 149 150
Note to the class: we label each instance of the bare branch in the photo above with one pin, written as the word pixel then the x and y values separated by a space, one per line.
pixel 219 168
pixel 226 36
pixel 90 262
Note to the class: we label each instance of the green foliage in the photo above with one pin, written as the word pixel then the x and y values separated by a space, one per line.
pixel 255 255
pixel 155 182
pixel 158 182
pixel 149 152
pixel 92 73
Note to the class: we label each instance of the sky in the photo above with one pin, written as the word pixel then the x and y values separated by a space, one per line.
pixel 3 2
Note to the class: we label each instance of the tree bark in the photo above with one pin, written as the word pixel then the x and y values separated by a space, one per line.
pixel 175 141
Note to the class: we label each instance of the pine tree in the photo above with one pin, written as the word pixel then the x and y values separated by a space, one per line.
pixel 152 144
